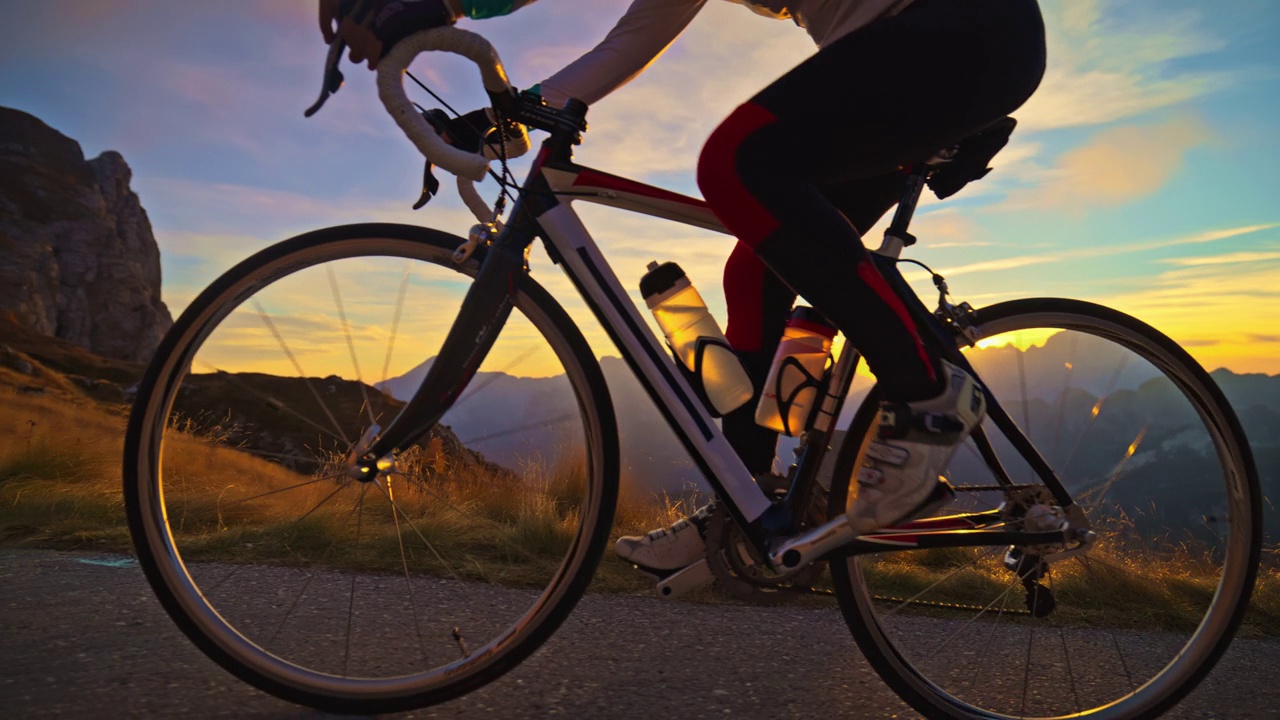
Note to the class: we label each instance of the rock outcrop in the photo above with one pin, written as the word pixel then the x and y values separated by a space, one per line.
pixel 78 259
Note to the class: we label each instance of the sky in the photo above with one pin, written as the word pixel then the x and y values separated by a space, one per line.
pixel 1142 174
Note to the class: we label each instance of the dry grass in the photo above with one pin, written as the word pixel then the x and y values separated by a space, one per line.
pixel 1121 592
pixel 60 487
pixel 60 474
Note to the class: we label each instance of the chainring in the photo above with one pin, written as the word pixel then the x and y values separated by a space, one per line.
pixel 735 564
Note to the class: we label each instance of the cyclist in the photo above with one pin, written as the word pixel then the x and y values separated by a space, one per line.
pixel 796 173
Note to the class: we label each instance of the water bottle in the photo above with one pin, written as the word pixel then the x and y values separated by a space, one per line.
pixel 795 379
pixel 711 366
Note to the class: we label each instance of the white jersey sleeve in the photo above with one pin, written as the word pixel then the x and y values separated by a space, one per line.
pixel 643 33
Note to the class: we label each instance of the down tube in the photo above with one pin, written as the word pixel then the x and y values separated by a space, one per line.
pixel 653 368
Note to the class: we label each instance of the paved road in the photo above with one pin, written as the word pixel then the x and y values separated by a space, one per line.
pixel 85 639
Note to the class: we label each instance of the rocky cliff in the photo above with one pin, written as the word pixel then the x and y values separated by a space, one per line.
pixel 77 256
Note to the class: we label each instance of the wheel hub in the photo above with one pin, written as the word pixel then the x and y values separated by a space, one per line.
pixel 363 467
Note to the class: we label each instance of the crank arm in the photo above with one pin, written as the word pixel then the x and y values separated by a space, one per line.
pixel 685 580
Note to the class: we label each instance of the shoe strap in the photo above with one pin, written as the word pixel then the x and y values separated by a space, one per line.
pixel 698 520
pixel 898 420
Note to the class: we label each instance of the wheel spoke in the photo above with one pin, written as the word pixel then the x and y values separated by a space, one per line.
pixel 351 599
pixel 427 543
pixel 1120 466
pixel 1026 399
pixel 1062 397
pixel 273 402
pixel 351 345
pixel 539 425
pixel 306 584
pixel 266 320
pixel 404 564
pixel 998 599
pixel 1096 411
pixel 395 321
pixel 308 483
pixel 941 580
pixel 425 486
pixel 477 388
pixel 1134 615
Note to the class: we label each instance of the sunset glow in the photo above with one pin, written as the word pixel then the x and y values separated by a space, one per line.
pixel 1138 178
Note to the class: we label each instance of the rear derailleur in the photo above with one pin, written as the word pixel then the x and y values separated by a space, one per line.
pixel 1033 509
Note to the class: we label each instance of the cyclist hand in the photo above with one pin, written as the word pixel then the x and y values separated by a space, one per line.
pixel 372 27
pixel 468 131
pixel 471 131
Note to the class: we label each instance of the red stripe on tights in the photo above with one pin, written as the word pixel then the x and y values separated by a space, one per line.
pixel 744 299
pixel 718 178
pixel 874 280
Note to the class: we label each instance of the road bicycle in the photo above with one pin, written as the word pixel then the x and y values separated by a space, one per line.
pixel 344 549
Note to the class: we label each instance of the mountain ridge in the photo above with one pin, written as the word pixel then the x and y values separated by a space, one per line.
pixel 78 258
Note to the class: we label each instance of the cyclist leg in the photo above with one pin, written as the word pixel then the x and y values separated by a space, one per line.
pixel 758 303
pixel 900 88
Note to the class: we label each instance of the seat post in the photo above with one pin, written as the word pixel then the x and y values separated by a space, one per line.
pixel 897 237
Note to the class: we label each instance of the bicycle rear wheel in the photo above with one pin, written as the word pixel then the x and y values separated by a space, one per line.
pixel 329 590
pixel 1147 445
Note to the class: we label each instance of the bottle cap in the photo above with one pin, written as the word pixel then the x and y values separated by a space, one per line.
pixel 660 278
pixel 809 319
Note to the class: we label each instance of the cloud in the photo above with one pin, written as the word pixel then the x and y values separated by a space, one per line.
pixel 1221 313
pixel 1116 166
pixel 1229 259
pixel 657 124
pixel 1058 256
pixel 1110 60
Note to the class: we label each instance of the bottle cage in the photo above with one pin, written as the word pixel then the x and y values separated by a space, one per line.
pixel 785 403
pixel 694 376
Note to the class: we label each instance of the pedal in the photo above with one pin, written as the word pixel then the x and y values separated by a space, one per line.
pixel 685 580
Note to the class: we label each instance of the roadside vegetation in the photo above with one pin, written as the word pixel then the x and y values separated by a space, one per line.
pixel 60 488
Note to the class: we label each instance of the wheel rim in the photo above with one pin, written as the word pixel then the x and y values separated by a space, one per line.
pixel 1140 616
pixel 423 581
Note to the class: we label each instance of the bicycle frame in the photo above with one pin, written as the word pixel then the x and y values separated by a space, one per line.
pixel 541 211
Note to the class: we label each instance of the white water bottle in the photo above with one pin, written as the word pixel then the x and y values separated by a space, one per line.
pixel 796 377
pixel 695 338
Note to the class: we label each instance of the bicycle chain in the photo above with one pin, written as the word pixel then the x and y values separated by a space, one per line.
pixel 907 601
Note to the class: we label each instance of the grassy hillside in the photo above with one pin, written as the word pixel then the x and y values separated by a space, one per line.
pixel 60 450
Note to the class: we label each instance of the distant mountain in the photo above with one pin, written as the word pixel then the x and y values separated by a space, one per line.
pixel 1065 379
pixel 285 420
pixel 511 419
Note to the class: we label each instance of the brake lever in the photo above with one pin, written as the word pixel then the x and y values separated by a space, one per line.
pixel 430 186
pixel 333 78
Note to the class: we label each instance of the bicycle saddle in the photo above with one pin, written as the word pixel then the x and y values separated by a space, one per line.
pixel 969 159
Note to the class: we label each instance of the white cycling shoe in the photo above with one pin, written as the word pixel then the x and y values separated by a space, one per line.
pixel 900 475
pixel 670 548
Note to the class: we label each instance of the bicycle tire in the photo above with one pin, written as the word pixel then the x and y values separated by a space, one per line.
pixel 900 635
pixel 166 524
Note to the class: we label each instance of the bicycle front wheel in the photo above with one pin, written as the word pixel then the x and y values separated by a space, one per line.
pixel 327 588
pixel 1147 446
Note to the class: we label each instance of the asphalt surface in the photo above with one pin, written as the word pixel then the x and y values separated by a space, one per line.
pixel 83 636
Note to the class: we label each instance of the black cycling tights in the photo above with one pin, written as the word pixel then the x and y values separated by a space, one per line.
pixel 816 155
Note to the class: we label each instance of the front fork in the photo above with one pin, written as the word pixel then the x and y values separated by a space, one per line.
pixel 483 314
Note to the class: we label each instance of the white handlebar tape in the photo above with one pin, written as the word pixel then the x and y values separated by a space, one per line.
pixel 391 90
pixel 471 198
